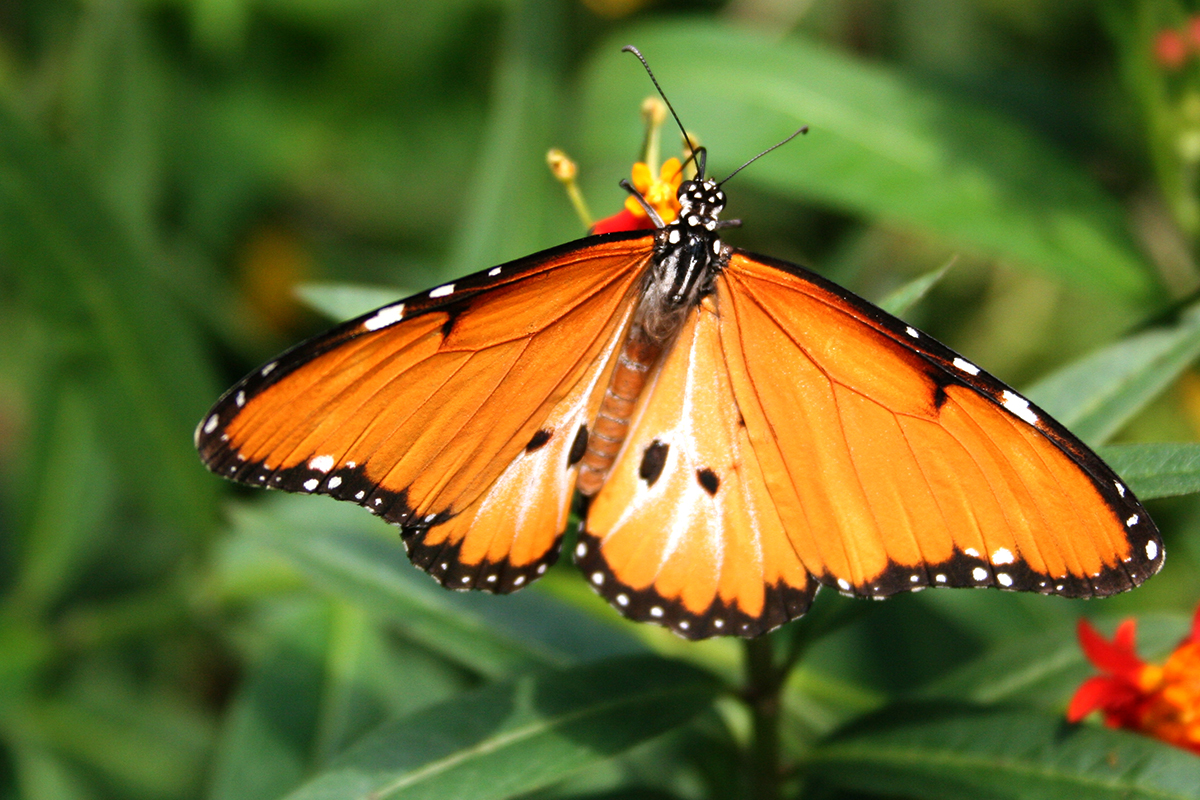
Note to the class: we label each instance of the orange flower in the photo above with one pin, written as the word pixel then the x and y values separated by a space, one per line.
pixel 659 192
pixel 1162 701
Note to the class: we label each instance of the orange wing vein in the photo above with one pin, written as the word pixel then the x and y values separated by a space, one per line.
pixel 457 414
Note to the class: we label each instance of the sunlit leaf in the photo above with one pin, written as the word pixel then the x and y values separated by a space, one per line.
pixel 1099 393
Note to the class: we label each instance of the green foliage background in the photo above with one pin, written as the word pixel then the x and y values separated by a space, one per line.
pixel 172 170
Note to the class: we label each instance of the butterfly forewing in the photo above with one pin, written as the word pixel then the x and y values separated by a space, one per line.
pixel 452 414
pixel 896 464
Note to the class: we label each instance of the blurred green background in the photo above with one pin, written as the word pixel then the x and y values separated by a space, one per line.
pixel 171 171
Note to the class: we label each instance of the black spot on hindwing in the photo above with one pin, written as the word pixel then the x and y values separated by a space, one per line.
pixel 539 439
pixel 709 480
pixel 578 447
pixel 653 460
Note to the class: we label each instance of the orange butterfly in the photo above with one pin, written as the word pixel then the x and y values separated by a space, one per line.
pixel 741 431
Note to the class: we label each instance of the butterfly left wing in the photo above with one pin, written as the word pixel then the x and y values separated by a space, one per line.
pixel 455 414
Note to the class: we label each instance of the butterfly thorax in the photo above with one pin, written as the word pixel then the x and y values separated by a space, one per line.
pixel 687 254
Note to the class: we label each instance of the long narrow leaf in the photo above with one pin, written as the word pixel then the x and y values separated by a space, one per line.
pixel 509 739
pixel 952 752
pixel 1099 393
pixel 1156 470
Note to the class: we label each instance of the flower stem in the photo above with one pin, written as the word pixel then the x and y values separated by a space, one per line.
pixel 764 680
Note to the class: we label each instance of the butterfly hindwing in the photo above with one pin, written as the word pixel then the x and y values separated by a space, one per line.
pixel 684 533
pixel 895 464
pixel 453 414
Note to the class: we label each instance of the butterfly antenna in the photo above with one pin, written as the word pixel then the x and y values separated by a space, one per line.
pixel 803 129
pixel 699 162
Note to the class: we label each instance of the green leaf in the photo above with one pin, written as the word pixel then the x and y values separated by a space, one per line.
pixel 912 292
pixel 340 548
pixel 948 752
pixel 1156 470
pixel 880 145
pixel 342 301
pixel 511 738
pixel 1099 393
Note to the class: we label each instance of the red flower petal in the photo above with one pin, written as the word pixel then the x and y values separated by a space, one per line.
pixel 1111 657
pixel 1091 695
pixel 623 220
pixel 1125 637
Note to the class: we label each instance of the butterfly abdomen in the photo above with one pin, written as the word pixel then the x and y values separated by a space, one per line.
pixel 639 354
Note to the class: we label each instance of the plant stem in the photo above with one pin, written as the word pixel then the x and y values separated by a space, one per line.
pixel 764 679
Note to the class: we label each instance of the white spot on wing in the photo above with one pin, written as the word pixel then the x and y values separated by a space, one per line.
pixel 966 366
pixel 310 484
pixel 979 574
pixel 1004 579
pixel 519 580
pixel 335 482
pixel 240 399
pixel 580 550
pixel 622 599
pixel 1019 406
pixel 598 578
pixel 914 578
pixel 718 623
pixel 267 369
pixel 384 317
pixel 940 578
pixel 656 611
pixel 1120 488
pixel 321 463
pixel 1151 549
pixel 493 272
pixel 442 291
pixel 1129 523
pixel 971 551
pixel 911 331
pixel 1002 556
pixel 360 494
pixel 210 424
pixel 843 584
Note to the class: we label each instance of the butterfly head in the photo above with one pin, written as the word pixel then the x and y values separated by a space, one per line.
pixel 700 203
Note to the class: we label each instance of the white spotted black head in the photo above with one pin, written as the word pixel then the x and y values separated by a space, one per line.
pixel 687 252
pixel 700 203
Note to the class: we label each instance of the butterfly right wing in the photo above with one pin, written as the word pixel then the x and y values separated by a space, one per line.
pixel 453 414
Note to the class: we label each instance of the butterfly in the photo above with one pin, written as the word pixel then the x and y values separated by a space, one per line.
pixel 740 431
